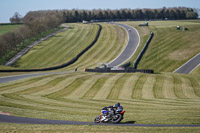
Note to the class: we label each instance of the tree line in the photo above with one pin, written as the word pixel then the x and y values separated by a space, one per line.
pixel 125 14
pixel 37 22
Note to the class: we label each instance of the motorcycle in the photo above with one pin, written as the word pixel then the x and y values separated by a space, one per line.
pixel 113 116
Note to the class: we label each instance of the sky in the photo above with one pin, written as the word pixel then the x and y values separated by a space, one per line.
pixel 9 7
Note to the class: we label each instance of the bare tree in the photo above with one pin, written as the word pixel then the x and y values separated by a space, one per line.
pixel 16 18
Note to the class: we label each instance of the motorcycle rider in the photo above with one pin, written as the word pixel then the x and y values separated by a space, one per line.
pixel 110 110
pixel 112 114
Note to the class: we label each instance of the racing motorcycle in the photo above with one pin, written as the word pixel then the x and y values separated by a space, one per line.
pixel 113 116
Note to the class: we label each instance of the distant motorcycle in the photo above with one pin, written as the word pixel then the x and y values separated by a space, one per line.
pixel 113 116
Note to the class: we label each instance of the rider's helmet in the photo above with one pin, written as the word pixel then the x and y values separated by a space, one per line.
pixel 117 105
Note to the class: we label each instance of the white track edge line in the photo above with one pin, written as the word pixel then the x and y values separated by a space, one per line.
pixel 127 44
pixel 186 62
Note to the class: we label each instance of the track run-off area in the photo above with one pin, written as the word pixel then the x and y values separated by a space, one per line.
pixel 165 99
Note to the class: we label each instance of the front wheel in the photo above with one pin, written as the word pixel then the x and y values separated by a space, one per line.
pixel 116 118
pixel 97 119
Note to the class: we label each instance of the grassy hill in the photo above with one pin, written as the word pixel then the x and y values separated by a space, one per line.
pixel 164 98
pixel 7 28
pixel 66 45
pixel 147 98
pixel 60 48
pixel 169 48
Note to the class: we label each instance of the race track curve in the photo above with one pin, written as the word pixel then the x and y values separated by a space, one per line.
pixel 25 120
pixel 132 45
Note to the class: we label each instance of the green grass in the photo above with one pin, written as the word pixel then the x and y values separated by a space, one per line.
pixel 60 48
pixel 149 99
pixel 111 42
pixel 196 71
pixel 66 45
pixel 169 48
pixel 21 46
pixel 7 28
pixel 164 98
pixel 22 128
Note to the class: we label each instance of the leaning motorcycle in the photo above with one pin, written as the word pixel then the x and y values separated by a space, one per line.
pixel 107 116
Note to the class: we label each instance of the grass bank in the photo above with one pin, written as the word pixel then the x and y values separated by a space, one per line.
pixel 169 48
pixel 149 99
pixel 91 129
pixel 21 46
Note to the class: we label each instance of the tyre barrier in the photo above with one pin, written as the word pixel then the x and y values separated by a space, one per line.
pixel 143 51
pixel 126 65
pixel 63 65
pixel 128 70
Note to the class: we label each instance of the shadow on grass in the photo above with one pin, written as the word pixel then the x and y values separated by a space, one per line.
pixel 128 122
pixel 57 36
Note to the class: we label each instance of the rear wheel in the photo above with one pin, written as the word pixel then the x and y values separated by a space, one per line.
pixel 97 119
pixel 116 118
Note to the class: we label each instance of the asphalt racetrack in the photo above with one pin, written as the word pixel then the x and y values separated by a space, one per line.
pixel 24 120
pixel 189 65
pixel 133 42
pixel 17 77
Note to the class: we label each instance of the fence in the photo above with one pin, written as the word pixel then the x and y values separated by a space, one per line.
pixel 128 70
pixel 143 51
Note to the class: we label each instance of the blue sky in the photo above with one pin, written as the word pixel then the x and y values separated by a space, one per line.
pixel 9 7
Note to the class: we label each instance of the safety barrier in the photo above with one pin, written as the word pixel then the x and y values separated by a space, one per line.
pixel 143 51
pixel 128 70
pixel 63 65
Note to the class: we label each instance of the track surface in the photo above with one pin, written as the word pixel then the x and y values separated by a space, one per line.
pixel 133 42
pixel 189 66
pixel 17 77
pixel 24 120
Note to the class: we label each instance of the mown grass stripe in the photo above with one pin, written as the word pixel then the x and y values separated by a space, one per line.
pixel 104 92
pixel 158 87
pixel 34 84
pixel 41 102
pixel 137 89
pixel 196 85
pixel 59 86
pixel 46 109
pixel 126 92
pixel 147 90
pixel 117 88
pixel 42 87
pixel 168 87
pixel 188 89
pixel 178 87
pixel 69 89
pixel 11 86
pixel 95 88
pixel 81 90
